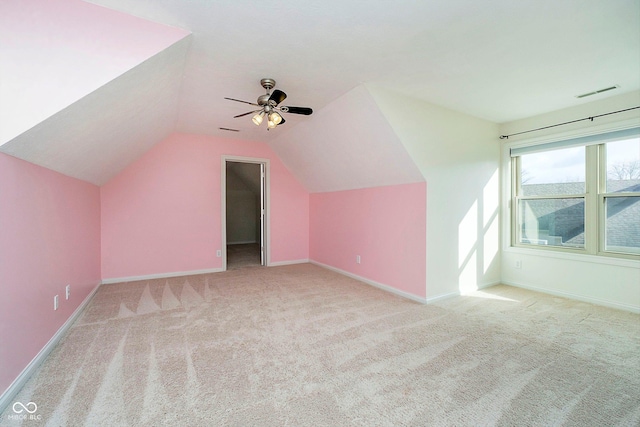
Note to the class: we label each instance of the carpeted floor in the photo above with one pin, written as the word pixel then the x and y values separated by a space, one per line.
pixel 303 346
pixel 243 255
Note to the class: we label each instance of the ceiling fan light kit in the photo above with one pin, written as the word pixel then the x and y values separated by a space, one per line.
pixel 269 106
pixel 257 119
pixel 275 118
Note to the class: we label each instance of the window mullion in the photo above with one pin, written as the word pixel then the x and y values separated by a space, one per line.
pixel 516 191
pixel 592 210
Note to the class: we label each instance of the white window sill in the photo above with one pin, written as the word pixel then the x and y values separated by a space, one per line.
pixel 581 257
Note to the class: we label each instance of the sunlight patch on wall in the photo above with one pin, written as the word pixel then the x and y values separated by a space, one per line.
pixel 468 281
pixel 467 233
pixel 467 250
pixel 490 199
pixel 490 220
pixel 491 243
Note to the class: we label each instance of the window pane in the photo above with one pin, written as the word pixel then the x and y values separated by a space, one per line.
pixel 623 166
pixel 555 172
pixel 623 224
pixel 553 222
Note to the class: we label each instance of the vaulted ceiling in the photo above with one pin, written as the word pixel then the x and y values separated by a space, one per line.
pixel 87 88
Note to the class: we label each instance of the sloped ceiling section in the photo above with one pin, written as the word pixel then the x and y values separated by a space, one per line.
pixel 96 137
pixel 54 52
pixel 247 174
pixel 434 136
pixel 85 90
pixel 347 145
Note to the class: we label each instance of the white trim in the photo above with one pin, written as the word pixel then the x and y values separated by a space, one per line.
pixel 223 202
pixel 597 301
pixel 580 257
pixel 443 297
pixel 292 262
pixel 458 293
pixel 373 283
pixel 160 275
pixel 581 141
pixel 12 391
pixel 575 133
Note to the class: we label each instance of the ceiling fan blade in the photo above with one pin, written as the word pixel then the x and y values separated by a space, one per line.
pixel 245 102
pixel 246 114
pixel 277 96
pixel 298 110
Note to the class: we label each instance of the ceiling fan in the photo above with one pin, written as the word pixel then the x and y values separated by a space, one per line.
pixel 269 106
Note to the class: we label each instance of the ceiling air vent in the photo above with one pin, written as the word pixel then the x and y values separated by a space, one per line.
pixel 230 130
pixel 595 92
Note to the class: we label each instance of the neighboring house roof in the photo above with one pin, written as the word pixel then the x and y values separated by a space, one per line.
pixel 561 221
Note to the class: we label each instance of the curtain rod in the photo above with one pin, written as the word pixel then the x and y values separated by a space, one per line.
pixel 566 123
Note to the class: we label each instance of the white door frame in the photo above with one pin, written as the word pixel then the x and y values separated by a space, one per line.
pixel 266 230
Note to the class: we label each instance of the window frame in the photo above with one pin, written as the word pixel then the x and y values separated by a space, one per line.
pixel 603 195
pixel 517 196
pixel 594 197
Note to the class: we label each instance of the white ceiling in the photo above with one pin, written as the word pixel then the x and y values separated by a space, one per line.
pixel 358 150
pixel 54 52
pixel 99 135
pixel 87 89
pixel 499 60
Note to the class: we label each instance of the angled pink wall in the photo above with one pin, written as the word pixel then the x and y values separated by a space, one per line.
pixel 386 226
pixel 49 237
pixel 162 214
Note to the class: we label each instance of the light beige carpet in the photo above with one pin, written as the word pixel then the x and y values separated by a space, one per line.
pixel 303 346
pixel 243 255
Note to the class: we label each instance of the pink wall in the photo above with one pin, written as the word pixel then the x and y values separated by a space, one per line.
pixel 49 237
pixel 162 214
pixel 386 226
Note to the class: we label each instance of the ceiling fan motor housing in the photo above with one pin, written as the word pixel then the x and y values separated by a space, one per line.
pixel 268 84
pixel 263 100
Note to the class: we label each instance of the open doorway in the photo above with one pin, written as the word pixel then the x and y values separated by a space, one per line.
pixel 244 207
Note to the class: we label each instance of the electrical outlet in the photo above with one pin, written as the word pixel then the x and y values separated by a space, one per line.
pixel 218 253
pixel 67 291
pixel 55 302
pixel 518 264
pixel 357 259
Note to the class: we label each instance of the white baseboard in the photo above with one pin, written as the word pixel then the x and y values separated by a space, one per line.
pixel 295 261
pixel 160 275
pixel 15 387
pixel 441 297
pixel 597 301
pixel 373 283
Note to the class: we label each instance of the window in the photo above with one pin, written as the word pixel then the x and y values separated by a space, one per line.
pixel 621 196
pixel 580 195
pixel 552 198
